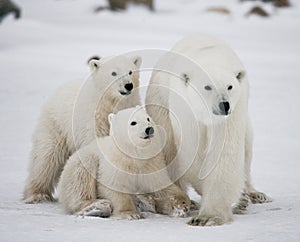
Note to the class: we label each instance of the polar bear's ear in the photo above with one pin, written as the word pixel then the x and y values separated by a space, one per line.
pixel 240 75
pixel 137 60
pixel 111 116
pixel 94 64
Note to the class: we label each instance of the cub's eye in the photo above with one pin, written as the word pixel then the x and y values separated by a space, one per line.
pixel 133 123
pixel 148 119
pixel 208 88
pixel 229 87
pixel 130 73
pixel 114 73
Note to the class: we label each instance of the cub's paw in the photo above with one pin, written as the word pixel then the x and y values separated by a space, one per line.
pixel 180 207
pixel 145 203
pixel 206 221
pixel 259 197
pixel 129 215
pixel 100 208
pixel 242 205
pixel 39 198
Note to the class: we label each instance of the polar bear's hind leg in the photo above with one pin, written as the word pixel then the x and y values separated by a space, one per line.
pixel 241 206
pixel 255 196
pixel 48 157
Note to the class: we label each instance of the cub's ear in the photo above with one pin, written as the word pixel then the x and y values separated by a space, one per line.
pixel 137 60
pixel 94 64
pixel 95 57
pixel 111 116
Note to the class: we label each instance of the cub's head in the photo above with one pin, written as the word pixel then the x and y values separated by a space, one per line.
pixel 131 128
pixel 119 74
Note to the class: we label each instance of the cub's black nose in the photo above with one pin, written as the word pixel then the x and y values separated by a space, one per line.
pixel 224 107
pixel 149 131
pixel 128 86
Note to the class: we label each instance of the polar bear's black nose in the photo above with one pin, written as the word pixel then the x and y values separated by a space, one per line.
pixel 149 131
pixel 224 107
pixel 128 86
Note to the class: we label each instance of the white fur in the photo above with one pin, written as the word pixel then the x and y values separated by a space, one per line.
pixel 74 116
pixel 117 168
pixel 208 150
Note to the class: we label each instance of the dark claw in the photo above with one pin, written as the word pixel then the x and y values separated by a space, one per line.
pixel 197 222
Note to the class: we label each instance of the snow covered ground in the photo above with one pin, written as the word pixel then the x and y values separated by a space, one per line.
pixel 50 46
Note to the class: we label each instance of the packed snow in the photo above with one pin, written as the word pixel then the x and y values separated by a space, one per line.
pixel 50 45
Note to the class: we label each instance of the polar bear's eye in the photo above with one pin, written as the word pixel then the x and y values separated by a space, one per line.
pixel 114 73
pixel 148 119
pixel 229 88
pixel 208 88
pixel 130 73
pixel 133 123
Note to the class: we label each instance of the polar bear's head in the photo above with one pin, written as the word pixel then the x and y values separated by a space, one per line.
pixel 119 74
pixel 212 94
pixel 131 128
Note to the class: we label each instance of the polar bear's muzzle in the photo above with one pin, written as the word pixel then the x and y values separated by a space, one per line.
pixel 127 89
pixel 149 131
pixel 224 109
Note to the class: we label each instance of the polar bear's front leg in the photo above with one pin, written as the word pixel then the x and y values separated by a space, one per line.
pixel 213 211
pixel 220 188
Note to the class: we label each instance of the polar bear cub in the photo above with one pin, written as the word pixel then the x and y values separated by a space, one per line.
pixel 75 115
pixel 118 168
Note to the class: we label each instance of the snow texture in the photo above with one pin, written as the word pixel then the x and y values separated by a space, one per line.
pixel 51 44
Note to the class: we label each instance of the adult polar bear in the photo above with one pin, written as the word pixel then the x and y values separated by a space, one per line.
pixel 202 87
pixel 75 115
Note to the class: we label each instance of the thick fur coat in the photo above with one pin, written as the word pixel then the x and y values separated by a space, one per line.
pixel 74 116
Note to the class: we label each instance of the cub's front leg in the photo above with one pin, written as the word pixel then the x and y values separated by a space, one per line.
pixel 123 204
pixel 78 188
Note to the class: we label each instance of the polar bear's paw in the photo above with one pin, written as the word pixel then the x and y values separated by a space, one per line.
pixel 100 208
pixel 259 197
pixel 39 198
pixel 202 220
pixel 241 206
pixel 129 215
